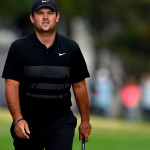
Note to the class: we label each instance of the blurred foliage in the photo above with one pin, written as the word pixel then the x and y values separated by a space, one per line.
pixel 8 7
pixel 121 26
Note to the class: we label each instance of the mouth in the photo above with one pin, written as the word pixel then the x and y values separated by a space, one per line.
pixel 45 23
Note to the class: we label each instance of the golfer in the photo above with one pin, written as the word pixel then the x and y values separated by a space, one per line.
pixel 39 71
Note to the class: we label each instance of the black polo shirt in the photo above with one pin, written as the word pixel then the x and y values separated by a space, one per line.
pixel 45 75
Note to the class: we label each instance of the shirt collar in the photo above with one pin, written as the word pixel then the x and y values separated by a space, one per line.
pixel 37 42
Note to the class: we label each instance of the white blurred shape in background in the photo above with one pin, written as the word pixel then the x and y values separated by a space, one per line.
pixel 6 38
pixel 81 34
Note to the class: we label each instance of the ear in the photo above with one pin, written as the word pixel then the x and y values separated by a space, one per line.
pixel 57 18
pixel 32 18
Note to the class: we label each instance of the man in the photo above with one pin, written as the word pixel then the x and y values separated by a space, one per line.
pixel 39 71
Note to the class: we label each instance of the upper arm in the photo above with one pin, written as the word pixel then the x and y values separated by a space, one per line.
pixel 79 84
pixel 10 82
pixel 79 69
pixel 13 66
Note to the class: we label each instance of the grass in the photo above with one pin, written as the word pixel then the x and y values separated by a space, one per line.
pixel 5 137
pixel 106 134
pixel 117 135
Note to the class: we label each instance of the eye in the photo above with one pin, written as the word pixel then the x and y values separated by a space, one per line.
pixel 39 12
pixel 50 12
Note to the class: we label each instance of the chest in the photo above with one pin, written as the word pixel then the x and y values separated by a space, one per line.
pixel 46 57
pixel 46 64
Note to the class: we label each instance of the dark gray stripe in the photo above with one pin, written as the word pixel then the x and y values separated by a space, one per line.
pixel 46 96
pixel 46 72
pixel 46 92
pixel 48 86
pixel 47 80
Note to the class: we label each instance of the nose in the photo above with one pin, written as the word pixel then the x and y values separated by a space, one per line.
pixel 45 16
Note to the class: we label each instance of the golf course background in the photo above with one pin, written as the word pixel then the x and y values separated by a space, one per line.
pixel 107 134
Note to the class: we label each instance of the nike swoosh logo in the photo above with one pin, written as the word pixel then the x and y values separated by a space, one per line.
pixel 61 54
pixel 45 1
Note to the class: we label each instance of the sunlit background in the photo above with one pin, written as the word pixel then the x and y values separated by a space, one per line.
pixel 114 36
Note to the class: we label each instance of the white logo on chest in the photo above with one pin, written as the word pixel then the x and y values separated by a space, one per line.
pixel 61 54
pixel 45 1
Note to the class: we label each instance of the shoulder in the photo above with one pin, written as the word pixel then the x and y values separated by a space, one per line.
pixel 22 41
pixel 20 45
pixel 67 42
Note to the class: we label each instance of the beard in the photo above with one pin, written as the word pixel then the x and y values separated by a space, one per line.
pixel 48 29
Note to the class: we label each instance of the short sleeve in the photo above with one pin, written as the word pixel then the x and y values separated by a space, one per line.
pixel 79 69
pixel 12 67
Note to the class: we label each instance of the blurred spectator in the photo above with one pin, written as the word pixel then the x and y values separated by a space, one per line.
pixel 145 98
pixel 130 96
pixel 102 92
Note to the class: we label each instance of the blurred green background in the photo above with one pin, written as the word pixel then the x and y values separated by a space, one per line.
pixel 121 26
pixel 112 34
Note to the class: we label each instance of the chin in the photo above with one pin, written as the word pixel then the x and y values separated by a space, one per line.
pixel 45 30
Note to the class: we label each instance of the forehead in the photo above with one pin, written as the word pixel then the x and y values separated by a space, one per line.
pixel 45 9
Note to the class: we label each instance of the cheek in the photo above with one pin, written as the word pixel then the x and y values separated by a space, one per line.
pixel 37 22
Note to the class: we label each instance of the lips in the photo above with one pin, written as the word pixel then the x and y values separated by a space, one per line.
pixel 45 23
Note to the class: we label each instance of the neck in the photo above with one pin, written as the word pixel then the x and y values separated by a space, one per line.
pixel 46 38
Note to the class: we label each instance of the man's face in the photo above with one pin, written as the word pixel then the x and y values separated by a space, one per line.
pixel 45 20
